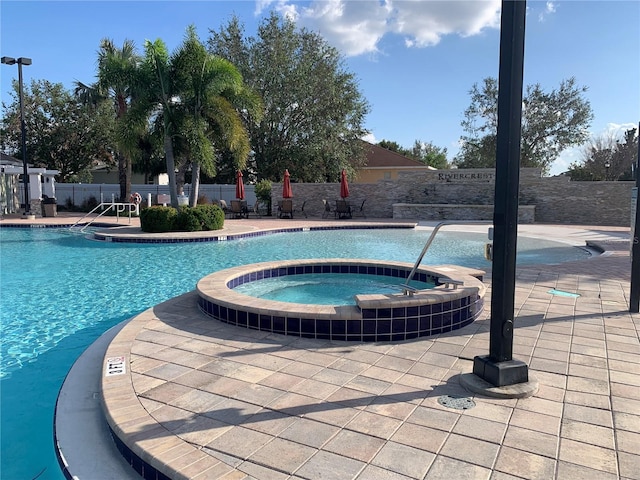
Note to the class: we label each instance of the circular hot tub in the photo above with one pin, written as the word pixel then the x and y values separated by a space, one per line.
pixel 455 300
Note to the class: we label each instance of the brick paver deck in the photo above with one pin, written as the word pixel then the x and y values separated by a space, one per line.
pixel 204 400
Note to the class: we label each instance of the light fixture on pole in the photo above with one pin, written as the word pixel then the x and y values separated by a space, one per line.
pixel 25 174
pixel 607 164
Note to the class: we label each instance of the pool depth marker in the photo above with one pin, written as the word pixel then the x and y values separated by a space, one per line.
pixel 499 368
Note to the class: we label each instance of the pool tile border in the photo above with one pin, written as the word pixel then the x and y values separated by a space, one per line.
pixel 215 237
pixel 374 318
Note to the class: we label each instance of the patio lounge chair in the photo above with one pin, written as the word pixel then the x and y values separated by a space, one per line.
pixel 225 208
pixel 343 209
pixel 285 208
pixel 360 211
pixel 301 209
pixel 239 209
pixel 327 209
pixel 255 210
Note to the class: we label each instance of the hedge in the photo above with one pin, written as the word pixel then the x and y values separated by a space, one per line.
pixel 159 219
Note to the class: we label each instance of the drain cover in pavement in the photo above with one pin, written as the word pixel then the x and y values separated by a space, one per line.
pixel 459 403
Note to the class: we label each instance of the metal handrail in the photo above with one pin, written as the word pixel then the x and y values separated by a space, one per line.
pixel 407 289
pixel 117 207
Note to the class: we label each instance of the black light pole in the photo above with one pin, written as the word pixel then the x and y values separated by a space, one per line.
pixel 607 165
pixel 634 301
pixel 25 175
pixel 499 368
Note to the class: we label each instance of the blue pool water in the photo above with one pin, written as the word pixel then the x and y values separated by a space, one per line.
pixel 60 291
pixel 324 289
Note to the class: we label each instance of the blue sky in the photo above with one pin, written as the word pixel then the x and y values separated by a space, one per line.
pixel 415 60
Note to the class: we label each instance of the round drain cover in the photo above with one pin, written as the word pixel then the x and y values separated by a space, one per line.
pixel 459 403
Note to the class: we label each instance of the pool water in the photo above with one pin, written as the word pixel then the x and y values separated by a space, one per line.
pixel 324 289
pixel 60 292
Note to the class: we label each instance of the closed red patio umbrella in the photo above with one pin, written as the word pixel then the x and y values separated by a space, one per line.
pixel 286 186
pixel 239 186
pixel 344 185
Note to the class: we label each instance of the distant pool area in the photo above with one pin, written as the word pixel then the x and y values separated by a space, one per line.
pixel 87 282
pixel 60 291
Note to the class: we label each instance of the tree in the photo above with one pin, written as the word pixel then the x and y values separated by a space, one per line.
pixel 607 158
pixel 62 135
pixel 157 104
pixel 626 157
pixel 424 152
pixel 193 98
pixel 212 94
pixel 313 110
pixel 429 154
pixel 148 157
pixel 551 122
pixel 393 146
pixel 115 81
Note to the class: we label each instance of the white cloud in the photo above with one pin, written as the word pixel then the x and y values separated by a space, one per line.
pixel 617 130
pixel 549 8
pixel 370 137
pixel 423 24
pixel 357 26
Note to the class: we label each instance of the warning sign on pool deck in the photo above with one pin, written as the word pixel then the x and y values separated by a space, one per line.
pixel 115 366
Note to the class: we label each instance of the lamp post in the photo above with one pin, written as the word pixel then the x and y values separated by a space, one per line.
pixel 607 164
pixel 25 176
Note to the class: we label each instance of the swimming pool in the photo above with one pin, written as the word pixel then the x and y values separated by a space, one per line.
pixel 61 291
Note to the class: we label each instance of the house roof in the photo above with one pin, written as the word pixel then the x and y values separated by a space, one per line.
pixel 9 160
pixel 379 157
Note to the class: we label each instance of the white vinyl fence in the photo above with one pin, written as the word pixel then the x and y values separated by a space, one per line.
pixel 79 193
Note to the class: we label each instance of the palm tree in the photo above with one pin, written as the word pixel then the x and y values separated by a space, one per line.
pixel 197 98
pixel 157 103
pixel 115 80
pixel 212 94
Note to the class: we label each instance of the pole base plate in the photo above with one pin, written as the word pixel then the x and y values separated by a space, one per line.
pixel 499 374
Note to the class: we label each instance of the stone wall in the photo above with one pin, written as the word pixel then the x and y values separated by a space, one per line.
pixel 439 212
pixel 556 199
pixel 589 203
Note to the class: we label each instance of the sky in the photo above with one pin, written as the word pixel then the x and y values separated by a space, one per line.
pixel 415 60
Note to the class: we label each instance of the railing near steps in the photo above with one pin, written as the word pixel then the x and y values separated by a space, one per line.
pixel 106 207
pixel 409 290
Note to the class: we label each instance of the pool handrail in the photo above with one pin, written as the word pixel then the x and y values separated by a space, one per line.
pixel 407 289
pixel 117 207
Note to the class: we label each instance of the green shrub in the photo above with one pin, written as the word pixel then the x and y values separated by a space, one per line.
pixel 263 194
pixel 263 191
pixel 211 216
pixel 187 220
pixel 158 219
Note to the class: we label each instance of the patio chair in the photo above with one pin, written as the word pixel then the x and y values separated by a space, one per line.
pixel 225 208
pixel 343 209
pixel 327 209
pixel 255 210
pixel 360 211
pixel 301 209
pixel 285 208
pixel 239 209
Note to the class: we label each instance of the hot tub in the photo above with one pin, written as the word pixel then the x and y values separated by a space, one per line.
pixel 456 300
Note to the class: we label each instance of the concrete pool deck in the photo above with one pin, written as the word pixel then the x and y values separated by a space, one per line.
pixel 211 401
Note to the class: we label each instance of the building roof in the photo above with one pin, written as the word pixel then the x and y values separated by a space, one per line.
pixel 379 157
pixel 9 160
